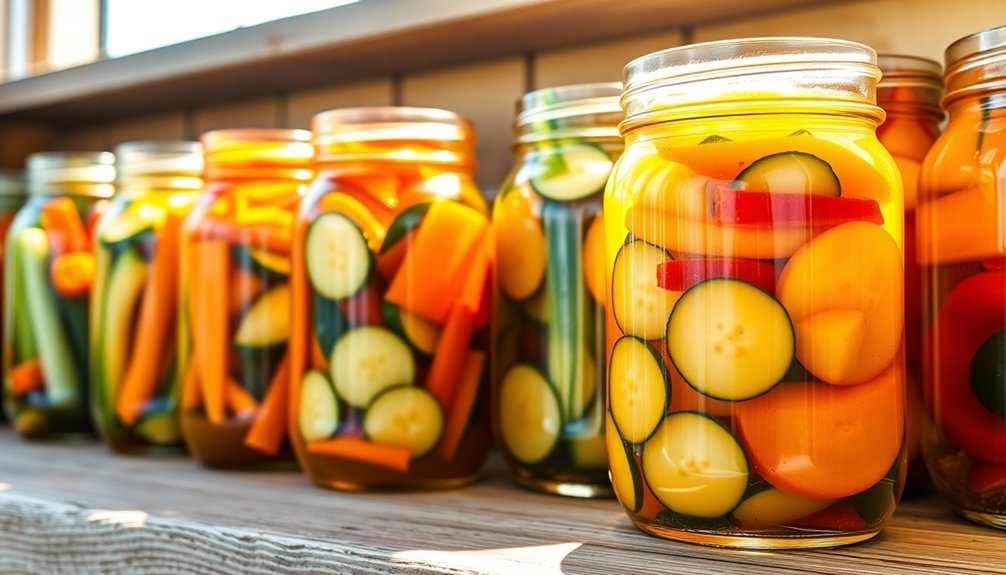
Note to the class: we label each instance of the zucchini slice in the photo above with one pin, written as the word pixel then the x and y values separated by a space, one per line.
pixel 730 340
pixel 338 259
pixel 129 224
pixel 270 261
pixel 160 428
pixel 695 466
pixel 318 412
pixel 267 321
pixel 641 307
pixel 773 507
pixel 124 289
pixel 406 416
pixel 366 361
pixel 623 471
pixel 408 220
pixel 637 389
pixel 421 333
pixel 588 452
pixel 530 419
pixel 791 173
pixel 586 169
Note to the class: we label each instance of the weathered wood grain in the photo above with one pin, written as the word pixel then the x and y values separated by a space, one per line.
pixel 76 509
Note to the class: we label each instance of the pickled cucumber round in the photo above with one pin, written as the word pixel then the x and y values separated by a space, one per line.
pixel 530 419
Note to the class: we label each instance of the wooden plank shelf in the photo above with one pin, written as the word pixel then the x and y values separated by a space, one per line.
pixel 75 508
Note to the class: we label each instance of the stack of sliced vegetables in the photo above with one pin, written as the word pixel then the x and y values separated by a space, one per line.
pixel 756 373
pixel 50 269
pixel 394 287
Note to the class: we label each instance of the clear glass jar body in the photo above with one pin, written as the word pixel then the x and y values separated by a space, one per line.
pixel 753 243
pixel 391 276
pixel 49 272
pixel 12 197
pixel 910 92
pixel 548 328
pixel 134 301
pixel 963 266
pixel 235 298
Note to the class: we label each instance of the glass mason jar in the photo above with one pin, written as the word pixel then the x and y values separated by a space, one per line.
pixel 12 197
pixel 962 253
pixel 910 92
pixel 548 332
pixel 48 277
pixel 134 302
pixel 235 298
pixel 753 230
pixel 391 303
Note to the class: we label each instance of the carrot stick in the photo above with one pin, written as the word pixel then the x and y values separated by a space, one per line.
pixel 209 324
pixel 241 403
pixel 27 377
pixel 154 325
pixel 300 332
pixel 318 359
pixel 382 455
pixel 272 238
pixel 464 402
pixel 64 227
pixel 450 356
pixel 270 426
pixel 192 393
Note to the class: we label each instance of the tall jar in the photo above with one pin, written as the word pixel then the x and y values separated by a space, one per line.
pixel 48 277
pixel 962 253
pixel 134 302
pixel 235 298
pixel 548 332
pixel 753 229
pixel 12 197
pixel 910 92
pixel 391 303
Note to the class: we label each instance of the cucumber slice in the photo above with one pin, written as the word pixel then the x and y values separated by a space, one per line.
pixel 267 321
pixel 791 173
pixel 406 416
pixel 730 340
pixel 270 261
pixel 62 380
pixel 586 169
pixel 408 220
pixel 694 466
pixel 715 139
pixel 588 452
pixel 637 389
pixel 366 361
pixel 338 259
pixel 318 412
pixel 641 307
pixel 530 419
pixel 160 428
pixel 127 226
pixel 125 285
pixel 421 333
pixel 622 468
pixel 773 507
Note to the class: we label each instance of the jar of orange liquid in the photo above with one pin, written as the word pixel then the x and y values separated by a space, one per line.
pixel 235 298
pixel 49 272
pixel 391 284
pixel 753 229
pixel 962 254
pixel 910 92
pixel 134 311
pixel 548 333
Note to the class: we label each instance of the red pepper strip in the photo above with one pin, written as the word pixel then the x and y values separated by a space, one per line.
pixel 839 517
pixel 970 314
pixel 985 476
pixel 763 209
pixel 679 275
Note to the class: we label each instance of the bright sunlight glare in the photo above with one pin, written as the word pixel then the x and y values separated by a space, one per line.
pixel 139 25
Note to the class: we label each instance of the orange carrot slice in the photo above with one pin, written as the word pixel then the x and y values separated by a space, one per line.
pixel 154 327
pixel 270 426
pixel 27 377
pixel 62 223
pixel 241 403
pixel 450 356
pixel 318 359
pixel 382 455
pixel 73 273
pixel 209 325
pixel 463 404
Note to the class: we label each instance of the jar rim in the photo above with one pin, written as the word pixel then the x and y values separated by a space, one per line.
pixel 391 123
pixel 152 157
pixel 587 110
pixel 211 140
pixel 48 172
pixel 900 68
pixel 976 65
pixel 976 43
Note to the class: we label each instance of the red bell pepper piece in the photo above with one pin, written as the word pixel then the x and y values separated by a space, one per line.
pixel 839 517
pixel 994 264
pixel 679 275
pixel 985 476
pixel 974 311
pixel 741 208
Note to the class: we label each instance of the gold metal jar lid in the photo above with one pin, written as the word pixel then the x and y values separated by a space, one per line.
pixel 590 111
pixel 159 158
pixel 79 173
pixel 760 75
pixel 257 153
pixel 976 65
pixel 910 83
